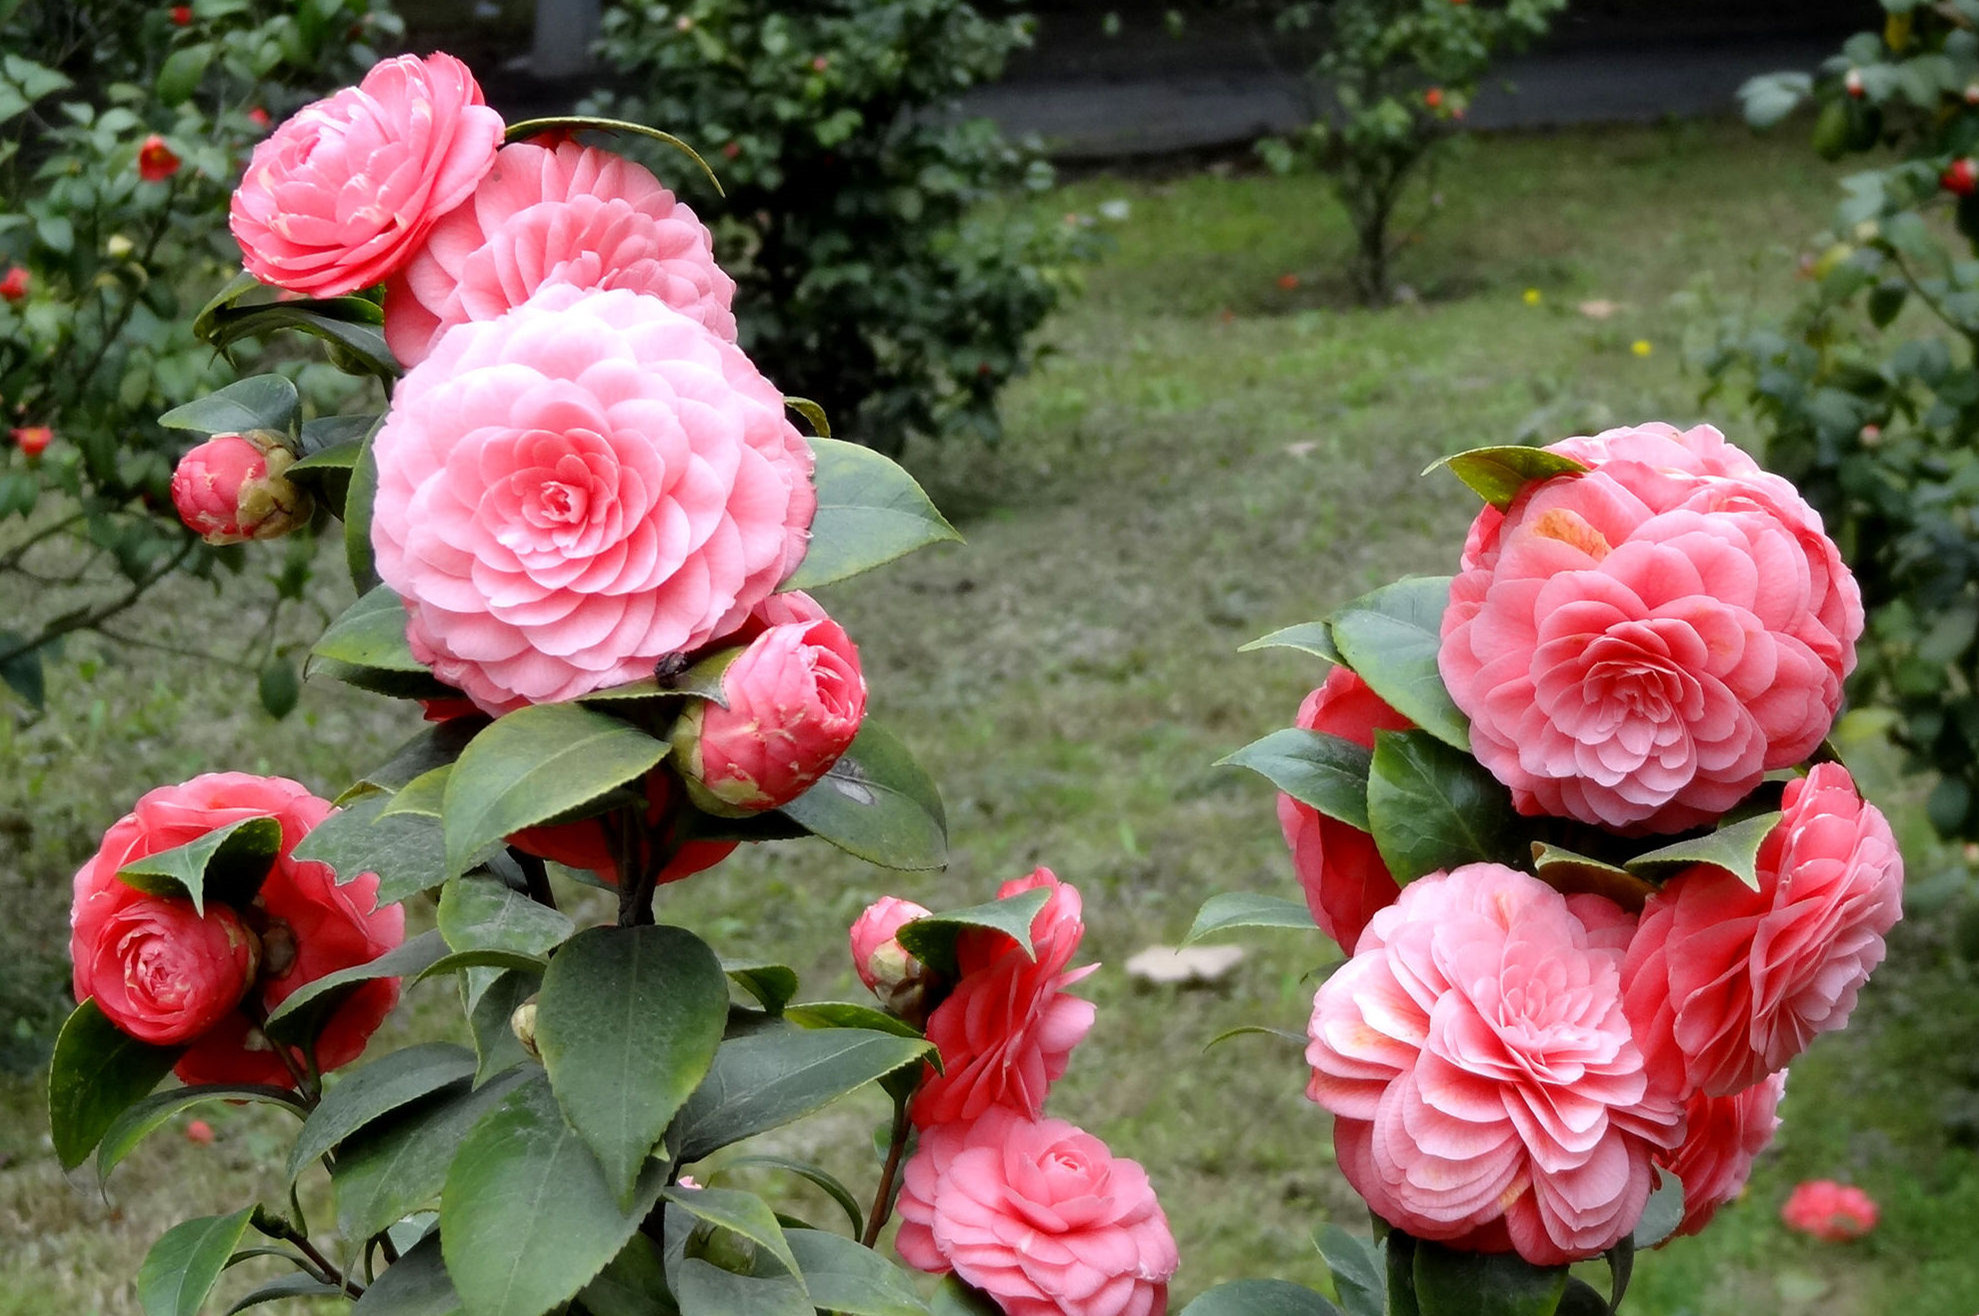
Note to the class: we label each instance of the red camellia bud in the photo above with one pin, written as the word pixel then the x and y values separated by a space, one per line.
pixel 1961 178
pixel 230 489
pixel 164 973
pixel 884 965
pixel 1433 98
pixel 14 286
pixel 795 701
pixel 182 14
pixel 1852 83
pixel 156 161
pixel 33 440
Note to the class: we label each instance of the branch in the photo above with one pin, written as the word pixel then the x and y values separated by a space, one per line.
pixel 89 618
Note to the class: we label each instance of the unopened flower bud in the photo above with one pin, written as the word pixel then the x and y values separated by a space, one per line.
pixel 117 246
pixel 523 1024
pixel 230 489
pixel 890 972
pixel 33 440
pixel 1852 83
pixel 14 286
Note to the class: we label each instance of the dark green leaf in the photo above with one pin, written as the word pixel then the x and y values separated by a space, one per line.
pixel 845 1014
pixel 23 672
pixel 877 803
pixel 279 687
pixel 704 1289
pixel 633 1284
pixel 370 633
pixel 1582 1299
pixel 1248 909
pixel 1327 772
pixel 931 940
pixel 771 984
pixel 1311 637
pixel 182 1267
pixel 1886 302
pixel 522 132
pixel 768 1078
pixel 230 862
pixel 422 797
pixel 628 1022
pixel 845 1277
pixel 1662 1215
pixel 298 1013
pixel 1499 475
pixel 259 402
pixel 488 1019
pixel 333 442
pixel 346 323
pixel 739 1213
pixel 285 1288
pixel 956 1297
pixel 379 1088
pixel 1621 1268
pixel 179 77
pixel 415 1285
pixel 407 850
pixel 1391 638
pixel 357 516
pixel 1433 807
pixel 397 1165
pixel 1359 1278
pixel 434 747
pixel 1734 849
pixel 701 681
pixel 530 1217
pixel 484 913
pixel 825 1182
pixel 1297 1040
pixel 1261 1297
pixel 535 764
pixel 488 957
pixel 1452 1283
pixel 1567 872
pixel 140 1120
pixel 813 414
pixel 96 1073
pixel 870 512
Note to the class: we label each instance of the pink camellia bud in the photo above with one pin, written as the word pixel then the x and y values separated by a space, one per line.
pixel 14 286
pixel 1831 1212
pixel 33 440
pixel 156 161
pixel 230 489
pixel 884 965
pixel 165 973
pixel 795 701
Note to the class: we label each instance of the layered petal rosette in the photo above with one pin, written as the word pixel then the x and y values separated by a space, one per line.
pixel 1722 1138
pixel 1039 1215
pixel 1338 866
pixel 1727 984
pixel 1486 1087
pixel 584 486
pixel 555 214
pixel 1636 645
pixel 343 193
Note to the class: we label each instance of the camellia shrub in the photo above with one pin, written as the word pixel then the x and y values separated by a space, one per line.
pixel 879 268
pixel 1868 390
pixel 1570 817
pixel 583 531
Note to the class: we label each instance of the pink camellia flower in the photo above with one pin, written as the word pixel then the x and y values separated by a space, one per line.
pixel 583 843
pixel 796 699
pixel 258 116
pixel 587 485
pixel 1637 645
pixel 1344 879
pixel 341 195
pixel 14 286
pixel 161 971
pixel 1722 1137
pixel 1729 983
pixel 1039 1215
pixel 231 489
pixel 1479 1065
pixel 889 971
pixel 307 925
pixel 1006 1032
pixel 156 161
pixel 200 1133
pixel 1831 1212
pixel 564 214
pixel 33 440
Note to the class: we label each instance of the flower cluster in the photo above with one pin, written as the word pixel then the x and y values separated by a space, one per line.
pixel 1033 1211
pixel 1638 636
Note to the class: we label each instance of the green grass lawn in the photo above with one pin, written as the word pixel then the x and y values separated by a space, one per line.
pixel 1210 454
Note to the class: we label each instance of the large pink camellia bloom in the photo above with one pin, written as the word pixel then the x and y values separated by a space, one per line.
pixel 1339 868
pixel 1484 1081
pixel 1006 1032
pixel 341 195
pixel 1637 645
pixel 555 214
pixel 163 972
pixel 580 488
pixel 1039 1215
pixel 1730 984
pixel 1722 1137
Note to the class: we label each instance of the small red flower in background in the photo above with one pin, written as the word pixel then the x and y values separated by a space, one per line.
pixel 1433 98
pixel 1829 1211
pixel 34 439
pixel 182 15
pixel 259 117
pixel 820 64
pixel 732 149
pixel 1288 281
pixel 156 161
pixel 14 286
pixel 1961 178
pixel 200 1132
pixel 1852 84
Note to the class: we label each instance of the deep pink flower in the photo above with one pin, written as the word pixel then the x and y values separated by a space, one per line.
pixel 1831 1212
pixel 1006 1032
pixel 1481 1071
pixel 33 440
pixel 1039 1215
pixel 161 971
pixel 565 214
pixel 1722 1137
pixel 1637 645
pixel 231 489
pixel 14 286
pixel 1727 984
pixel 882 963
pixel 342 194
pixel 156 161
pixel 587 485
pixel 1339 868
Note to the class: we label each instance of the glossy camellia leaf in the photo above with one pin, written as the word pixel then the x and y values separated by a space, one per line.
pixel 1582 1299
pixel 1734 848
pixel 931 940
pixel 259 402
pixel 1261 1297
pixel 1359 1279
pixel 425 795
pixel 407 851
pixel 877 803
pixel 1391 638
pixel 300 1009
pixel 1661 1216
pixel 285 1289
pixel 813 414
pixel 633 1283
pixel 488 957
pixel 1313 637
pixel 628 1022
pixel 358 499
pixel 1433 807
pixel 182 1267
pixel 954 1296
pixel 846 1014
pixel 740 1213
pixel 351 325
pixel 489 1012
pixel 575 123
pixel 703 680
pixel 435 746
pixel 773 985
pixel 417 1284
pixel 229 863
pixel 140 1120
pixel 395 1166
pixel 95 1074
pixel 478 912
pixel 370 633
pixel 535 764
pixel 1248 909
pixel 870 511
pixel 822 1179
pixel 387 1084
pixel 1452 1283
pixel 766 1079
pixel 844 1277
pixel 705 1289
pixel 530 1218
pixel 1572 874
pixel 1499 474
pixel 1325 771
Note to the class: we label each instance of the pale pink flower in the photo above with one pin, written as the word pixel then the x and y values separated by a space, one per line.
pixel 1831 1212
pixel 587 485
pixel 343 193
pixel 1039 1215
pixel 1727 984
pixel 1486 1088
pixel 555 214
pixel 1722 1138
